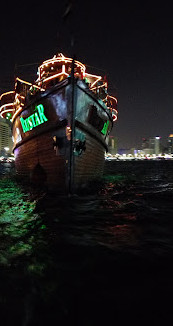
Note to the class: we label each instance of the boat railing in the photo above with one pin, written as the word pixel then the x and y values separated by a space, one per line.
pixel 7 110
pixel 7 105
pixel 50 73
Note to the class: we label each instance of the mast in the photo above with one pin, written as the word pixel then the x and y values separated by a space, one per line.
pixel 72 123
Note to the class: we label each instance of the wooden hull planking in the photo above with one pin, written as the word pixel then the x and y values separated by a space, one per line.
pixel 42 151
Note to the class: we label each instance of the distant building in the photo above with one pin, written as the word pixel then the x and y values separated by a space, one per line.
pixel 5 137
pixel 112 145
pixel 151 145
pixel 145 143
pixel 154 145
pixel 170 144
pixel 145 147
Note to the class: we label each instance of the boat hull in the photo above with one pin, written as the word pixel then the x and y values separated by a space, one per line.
pixel 52 150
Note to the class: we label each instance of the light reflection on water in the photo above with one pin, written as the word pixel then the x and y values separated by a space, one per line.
pixel 91 259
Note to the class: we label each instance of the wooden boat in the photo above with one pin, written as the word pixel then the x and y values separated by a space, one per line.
pixel 60 124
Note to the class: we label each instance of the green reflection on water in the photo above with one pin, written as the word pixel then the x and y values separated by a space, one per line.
pixel 17 221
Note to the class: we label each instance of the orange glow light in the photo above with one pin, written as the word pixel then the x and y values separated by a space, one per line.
pixel 62 58
pixel 114 115
pixel 96 87
pixel 10 92
pixel 59 67
pixel 54 76
pixel 6 111
pixel 16 113
pixel 25 82
pixel 5 105
pixel 114 98
pixel 93 76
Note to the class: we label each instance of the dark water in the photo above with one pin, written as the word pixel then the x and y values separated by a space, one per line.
pixel 102 258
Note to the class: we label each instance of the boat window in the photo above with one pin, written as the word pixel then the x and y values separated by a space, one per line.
pixel 94 119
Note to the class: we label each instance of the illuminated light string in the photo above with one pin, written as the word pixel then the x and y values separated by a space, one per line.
pixel 16 113
pixel 7 93
pixel 17 99
pixel 6 105
pixel 63 72
pixel 55 76
pixel 116 112
pixel 61 59
pixel 99 86
pixel 17 103
pixel 114 117
pixel 30 84
pixel 5 111
pixel 41 73
pixel 68 132
pixel 18 95
pixel 23 81
pixel 114 98
pixel 93 76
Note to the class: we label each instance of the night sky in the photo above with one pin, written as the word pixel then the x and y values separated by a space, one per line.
pixel 132 43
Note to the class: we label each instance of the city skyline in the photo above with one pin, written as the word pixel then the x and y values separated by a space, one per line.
pixel 137 145
pixel 144 144
pixel 131 43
